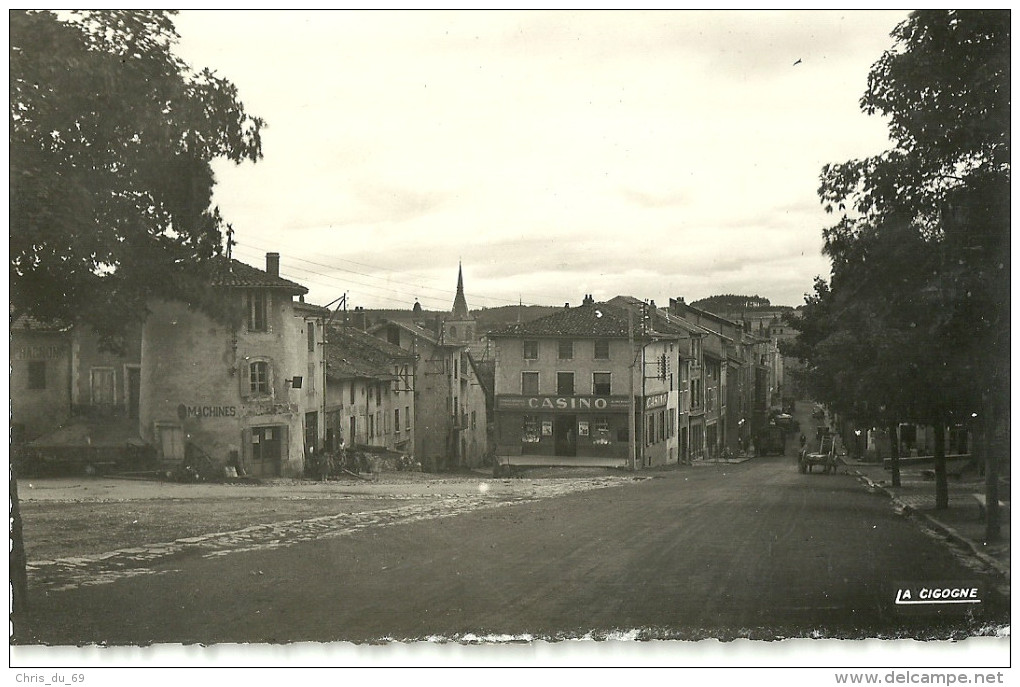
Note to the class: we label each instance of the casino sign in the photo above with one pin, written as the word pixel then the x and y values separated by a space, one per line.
pixel 563 404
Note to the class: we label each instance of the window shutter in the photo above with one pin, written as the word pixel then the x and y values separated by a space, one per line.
pixel 245 378
pixel 269 310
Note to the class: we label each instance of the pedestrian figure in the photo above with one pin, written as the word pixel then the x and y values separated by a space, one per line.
pixel 803 440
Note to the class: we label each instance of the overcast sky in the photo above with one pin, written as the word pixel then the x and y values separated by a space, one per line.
pixel 654 154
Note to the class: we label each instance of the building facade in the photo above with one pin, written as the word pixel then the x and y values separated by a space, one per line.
pixel 40 378
pixel 585 386
pixel 233 394
pixel 369 392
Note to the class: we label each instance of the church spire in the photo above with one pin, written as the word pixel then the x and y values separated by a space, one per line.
pixel 460 309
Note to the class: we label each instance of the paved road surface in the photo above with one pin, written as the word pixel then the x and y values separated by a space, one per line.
pixel 754 549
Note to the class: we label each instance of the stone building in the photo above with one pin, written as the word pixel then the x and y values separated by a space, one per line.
pixel 369 391
pixel 586 386
pixel 233 393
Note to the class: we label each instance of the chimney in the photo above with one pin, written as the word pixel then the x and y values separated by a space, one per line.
pixel 566 306
pixel 273 264
pixel 588 299
pixel 652 305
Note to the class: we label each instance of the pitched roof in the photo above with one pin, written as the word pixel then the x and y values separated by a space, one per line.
pixel 236 274
pixel 354 354
pixel 28 323
pixel 414 329
pixel 587 320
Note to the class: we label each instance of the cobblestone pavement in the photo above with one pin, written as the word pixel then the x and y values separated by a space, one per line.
pixel 71 572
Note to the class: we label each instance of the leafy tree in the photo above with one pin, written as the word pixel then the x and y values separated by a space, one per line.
pixel 111 140
pixel 945 90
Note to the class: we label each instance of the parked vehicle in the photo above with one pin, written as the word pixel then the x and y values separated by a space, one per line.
pixel 825 456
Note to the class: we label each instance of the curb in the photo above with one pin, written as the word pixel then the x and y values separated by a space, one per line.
pixel 993 563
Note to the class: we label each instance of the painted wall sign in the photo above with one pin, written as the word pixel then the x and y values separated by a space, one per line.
pixel 185 411
pixel 562 403
pixel 655 400
pixel 49 352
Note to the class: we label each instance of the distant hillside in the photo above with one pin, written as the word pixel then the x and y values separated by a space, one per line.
pixel 730 303
pixel 495 318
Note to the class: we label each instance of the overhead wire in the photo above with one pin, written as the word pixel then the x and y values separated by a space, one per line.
pixel 411 285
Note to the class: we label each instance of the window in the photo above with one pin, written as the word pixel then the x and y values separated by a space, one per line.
pixel 602 349
pixel 371 425
pixel 662 425
pixel 650 431
pixel 623 434
pixel 600 430
pixel 474 419
pixel 407 418
pixel 396 420
pixel 566 350
pixel 530 350
pixel 259 378
pixel 529 432
pixel 529 383
pixel 378 395
pixel 352 392
pixel 37 374
pixel 310 379
pixel 602 383
pixel 258 311
pixel 453 332
pixel 565 383
pixel 311 337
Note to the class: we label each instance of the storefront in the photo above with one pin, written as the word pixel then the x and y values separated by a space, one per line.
pixel 564 427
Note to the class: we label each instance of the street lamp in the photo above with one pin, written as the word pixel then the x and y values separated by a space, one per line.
pixel 857 444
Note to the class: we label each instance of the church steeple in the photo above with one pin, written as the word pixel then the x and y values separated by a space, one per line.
pixel 460 309
pixel 459 326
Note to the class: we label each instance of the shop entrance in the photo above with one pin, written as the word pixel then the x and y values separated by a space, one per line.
pixel 266 451
pixel 565 435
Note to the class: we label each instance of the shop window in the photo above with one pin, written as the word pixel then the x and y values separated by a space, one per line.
pixel 529 430
pixel 566 350
pixel 530 350
pixel 602 384
pixel 529 383
pixel 623 434
pixel 600 430
pixel 37 374
pixel 258 311
pixel 564 383
pixel 602 349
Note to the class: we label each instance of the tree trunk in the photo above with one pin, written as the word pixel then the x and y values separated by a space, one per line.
pixel 19 575
pixel 894 452
pixel 941 481
pixel 993 529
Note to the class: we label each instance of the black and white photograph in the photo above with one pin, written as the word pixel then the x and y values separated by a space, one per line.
pixel 478 339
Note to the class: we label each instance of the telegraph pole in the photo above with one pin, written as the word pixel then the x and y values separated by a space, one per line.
pixel 631 428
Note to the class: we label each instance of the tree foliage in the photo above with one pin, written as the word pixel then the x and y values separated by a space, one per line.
pixel 914 324
pixel 111 141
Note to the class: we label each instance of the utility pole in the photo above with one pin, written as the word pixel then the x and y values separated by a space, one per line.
pixel 631 429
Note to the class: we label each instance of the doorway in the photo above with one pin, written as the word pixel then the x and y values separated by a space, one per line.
pixel 266 444
pixel 565 435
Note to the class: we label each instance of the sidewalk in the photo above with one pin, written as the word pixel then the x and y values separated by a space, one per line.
pixel 961 521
